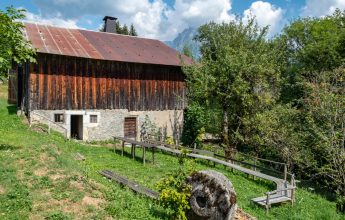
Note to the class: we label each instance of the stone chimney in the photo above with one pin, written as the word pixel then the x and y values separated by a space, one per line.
pixel 109 24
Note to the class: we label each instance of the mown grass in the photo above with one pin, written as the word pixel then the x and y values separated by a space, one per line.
pixel 39 178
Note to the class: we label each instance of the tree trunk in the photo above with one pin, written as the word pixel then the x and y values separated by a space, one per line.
pixel 229 149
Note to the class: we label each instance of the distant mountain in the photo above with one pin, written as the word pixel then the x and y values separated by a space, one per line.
pixel 186 38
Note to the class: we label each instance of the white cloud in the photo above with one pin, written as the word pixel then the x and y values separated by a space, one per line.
pixel 193 13
pixel 152 18
pixel 317 8
pixel 57 21
pixel 266 14
pixel 147 22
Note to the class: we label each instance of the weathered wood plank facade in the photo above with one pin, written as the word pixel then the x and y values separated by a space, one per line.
pixel 89 84
pixel 62 82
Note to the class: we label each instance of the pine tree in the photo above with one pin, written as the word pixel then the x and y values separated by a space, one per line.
pixel 122 29
pixel 118 28
pixel 125 30
pixel 132 31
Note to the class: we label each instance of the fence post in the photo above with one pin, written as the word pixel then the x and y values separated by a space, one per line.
pixel 254 167
pixel 285 172
pixel 30 121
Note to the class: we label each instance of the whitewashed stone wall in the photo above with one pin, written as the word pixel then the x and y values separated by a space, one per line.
pixel 110 123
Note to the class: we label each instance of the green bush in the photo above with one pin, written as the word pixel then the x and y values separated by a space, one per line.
pixel 174 191
pixel 193 126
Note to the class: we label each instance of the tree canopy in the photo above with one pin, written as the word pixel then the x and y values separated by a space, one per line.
pixel 238 76
pixel 281 98
pixel 13 45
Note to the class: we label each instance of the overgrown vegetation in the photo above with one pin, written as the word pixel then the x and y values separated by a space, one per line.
pixel 281 99
pixel 174 190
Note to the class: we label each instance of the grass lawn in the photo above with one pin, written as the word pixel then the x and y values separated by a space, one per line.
pixel 40 179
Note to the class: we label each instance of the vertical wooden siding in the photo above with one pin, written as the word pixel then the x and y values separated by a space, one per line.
pixel 12 86
pixel 60 82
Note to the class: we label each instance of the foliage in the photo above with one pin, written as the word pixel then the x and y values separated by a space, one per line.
pixel 174 191
pixel 148 128
pixel 310 46
pixel 341 204
pixel 316 44
pixel 13 46
pixel 58 215
pixel 281 99
pixel 132 31
pixel 238 76
pixel 272 134
pixel 169 141
pixel 324 106
pixel 183 156
pixel 122 29
pixel 187 51
pixel 193 125
pixel 314 74
pixel 22 150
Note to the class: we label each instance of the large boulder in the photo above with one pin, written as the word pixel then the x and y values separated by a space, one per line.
pixel 212 198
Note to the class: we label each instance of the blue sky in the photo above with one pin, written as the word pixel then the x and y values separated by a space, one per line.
pixel 164 19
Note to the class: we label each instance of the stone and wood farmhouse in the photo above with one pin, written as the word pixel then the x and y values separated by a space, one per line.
pixel 95 85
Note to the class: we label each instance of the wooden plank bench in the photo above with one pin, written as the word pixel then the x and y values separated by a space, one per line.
pixel 276 196
pixel 159 143
pixel 135 144
pixel 131 184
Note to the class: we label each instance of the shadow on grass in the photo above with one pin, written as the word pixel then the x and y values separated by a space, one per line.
pixel 312 187
pixel 8 147
pixel 12 109
pixel 137 157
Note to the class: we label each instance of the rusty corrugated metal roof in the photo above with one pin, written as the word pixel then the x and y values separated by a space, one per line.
pixel 100 45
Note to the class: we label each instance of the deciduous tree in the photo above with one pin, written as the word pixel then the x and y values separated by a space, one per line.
pixel 238 75
pixel 13 46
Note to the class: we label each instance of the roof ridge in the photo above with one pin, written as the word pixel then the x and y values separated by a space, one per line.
pixel 84 29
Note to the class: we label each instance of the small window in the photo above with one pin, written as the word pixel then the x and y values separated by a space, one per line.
pixel 93 119
pixel 58 118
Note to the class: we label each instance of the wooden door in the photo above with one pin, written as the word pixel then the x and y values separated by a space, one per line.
pixel 130 127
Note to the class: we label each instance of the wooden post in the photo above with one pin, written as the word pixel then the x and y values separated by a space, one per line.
pixel 267 202
pixel 254 167
pixel 292 196
pixel 285 172
pixel 293 183
pixel 144 155
pixel 123 147
pixel 114 146
pixel 153 155
pixel 132 150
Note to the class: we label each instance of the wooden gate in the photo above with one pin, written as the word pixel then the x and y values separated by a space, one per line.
pixel 130 127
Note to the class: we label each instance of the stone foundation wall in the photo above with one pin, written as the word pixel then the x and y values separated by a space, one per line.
pixel 110 123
